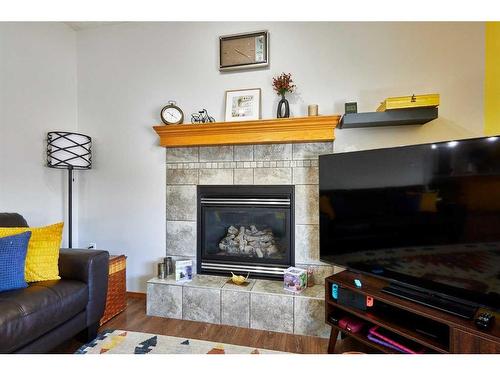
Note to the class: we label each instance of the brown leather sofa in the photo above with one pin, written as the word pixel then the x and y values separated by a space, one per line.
pixel 47 313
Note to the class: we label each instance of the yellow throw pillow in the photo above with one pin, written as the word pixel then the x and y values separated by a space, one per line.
pixel 43 251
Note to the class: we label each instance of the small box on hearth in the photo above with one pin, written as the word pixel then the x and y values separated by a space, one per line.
pixel 183 270
pixel 295 279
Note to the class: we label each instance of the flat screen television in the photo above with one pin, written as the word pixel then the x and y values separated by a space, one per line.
pixel 425 216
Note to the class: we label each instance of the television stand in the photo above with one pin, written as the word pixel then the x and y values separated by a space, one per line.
pixel 426 329
pixel 430 300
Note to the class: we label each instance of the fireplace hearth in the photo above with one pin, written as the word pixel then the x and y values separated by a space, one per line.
pixel 245 230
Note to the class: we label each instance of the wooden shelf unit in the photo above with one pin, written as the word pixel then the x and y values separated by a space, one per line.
pixel 393 117
pixel 285 130
pixel 394 327
pixel 462 334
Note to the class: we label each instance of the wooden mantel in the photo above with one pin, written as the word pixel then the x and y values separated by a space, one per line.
pixel 288 130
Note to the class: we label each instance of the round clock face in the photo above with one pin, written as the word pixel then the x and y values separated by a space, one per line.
pixel 171 114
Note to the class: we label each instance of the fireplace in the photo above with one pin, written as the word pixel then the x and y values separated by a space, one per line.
pixel 245 230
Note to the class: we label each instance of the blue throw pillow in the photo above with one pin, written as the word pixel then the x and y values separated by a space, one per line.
pixel 13 251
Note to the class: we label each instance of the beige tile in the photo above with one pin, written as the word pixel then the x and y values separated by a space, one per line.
pixel 272 176
pixel 164 300
pixel 182 176
pixel 243 176
pixel 181 238
pixel 306 243
pixel 243 153
pixel 216 153
pixel 303 151
pixel 306 204
pixel 235 308
pixel 271 312
pixel 216 177
pixel 309 318
pixel 305 175
pixel 201 304
pixel 181 202
pixel 182 154
pixel 273 152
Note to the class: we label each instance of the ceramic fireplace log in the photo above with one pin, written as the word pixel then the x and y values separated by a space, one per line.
pixel 249 241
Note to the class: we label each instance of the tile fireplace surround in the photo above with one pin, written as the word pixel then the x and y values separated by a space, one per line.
pixel 270 164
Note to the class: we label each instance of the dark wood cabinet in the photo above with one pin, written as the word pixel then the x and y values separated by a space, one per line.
pixel 428 329
pixel 465 342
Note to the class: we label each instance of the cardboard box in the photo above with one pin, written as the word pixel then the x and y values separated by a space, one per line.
pixel 183 270
pixel 295 279
pixel 412 101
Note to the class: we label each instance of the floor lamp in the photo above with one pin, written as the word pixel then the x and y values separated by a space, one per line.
pixel 69 151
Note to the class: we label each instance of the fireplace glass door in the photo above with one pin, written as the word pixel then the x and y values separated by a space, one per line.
pixel 248 234
pixel 245 230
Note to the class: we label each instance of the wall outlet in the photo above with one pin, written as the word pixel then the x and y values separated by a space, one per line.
pixel 92 245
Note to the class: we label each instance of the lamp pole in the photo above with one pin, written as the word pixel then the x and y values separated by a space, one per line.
pixel 70 206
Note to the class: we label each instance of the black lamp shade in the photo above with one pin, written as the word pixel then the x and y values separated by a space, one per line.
pixel 67 150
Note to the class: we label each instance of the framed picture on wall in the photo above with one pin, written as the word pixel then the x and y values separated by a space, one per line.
pixel 242 105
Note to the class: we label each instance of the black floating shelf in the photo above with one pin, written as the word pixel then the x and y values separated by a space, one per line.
pixel 393 117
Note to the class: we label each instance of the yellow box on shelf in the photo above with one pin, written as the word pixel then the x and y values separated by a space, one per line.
pixel 413 101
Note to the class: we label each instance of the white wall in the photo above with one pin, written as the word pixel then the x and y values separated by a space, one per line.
pixel 127 72
pixel 37 94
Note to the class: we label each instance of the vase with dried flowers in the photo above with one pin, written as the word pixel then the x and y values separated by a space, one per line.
pixel 283 84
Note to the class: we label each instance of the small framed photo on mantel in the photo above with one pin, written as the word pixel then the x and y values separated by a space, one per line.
pixel 242 105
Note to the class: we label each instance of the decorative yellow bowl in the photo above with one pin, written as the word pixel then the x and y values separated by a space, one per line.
pixel 238 279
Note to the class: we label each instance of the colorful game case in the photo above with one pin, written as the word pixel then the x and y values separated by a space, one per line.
pixel 381 342
pixel 374 331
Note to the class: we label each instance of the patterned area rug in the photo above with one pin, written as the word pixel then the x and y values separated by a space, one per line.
pixel 127 342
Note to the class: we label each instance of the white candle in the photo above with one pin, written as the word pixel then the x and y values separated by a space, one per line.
pixel 312 109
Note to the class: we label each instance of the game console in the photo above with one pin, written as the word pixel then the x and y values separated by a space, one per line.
pixel 369 301
pixel 350 298
pixel 335 291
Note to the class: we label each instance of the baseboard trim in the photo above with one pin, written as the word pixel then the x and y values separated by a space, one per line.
pixel 136 295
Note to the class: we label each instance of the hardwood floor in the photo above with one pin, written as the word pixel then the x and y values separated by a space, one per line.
pixel 134 318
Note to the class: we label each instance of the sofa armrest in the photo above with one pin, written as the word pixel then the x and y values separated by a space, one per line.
pixel 92 268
